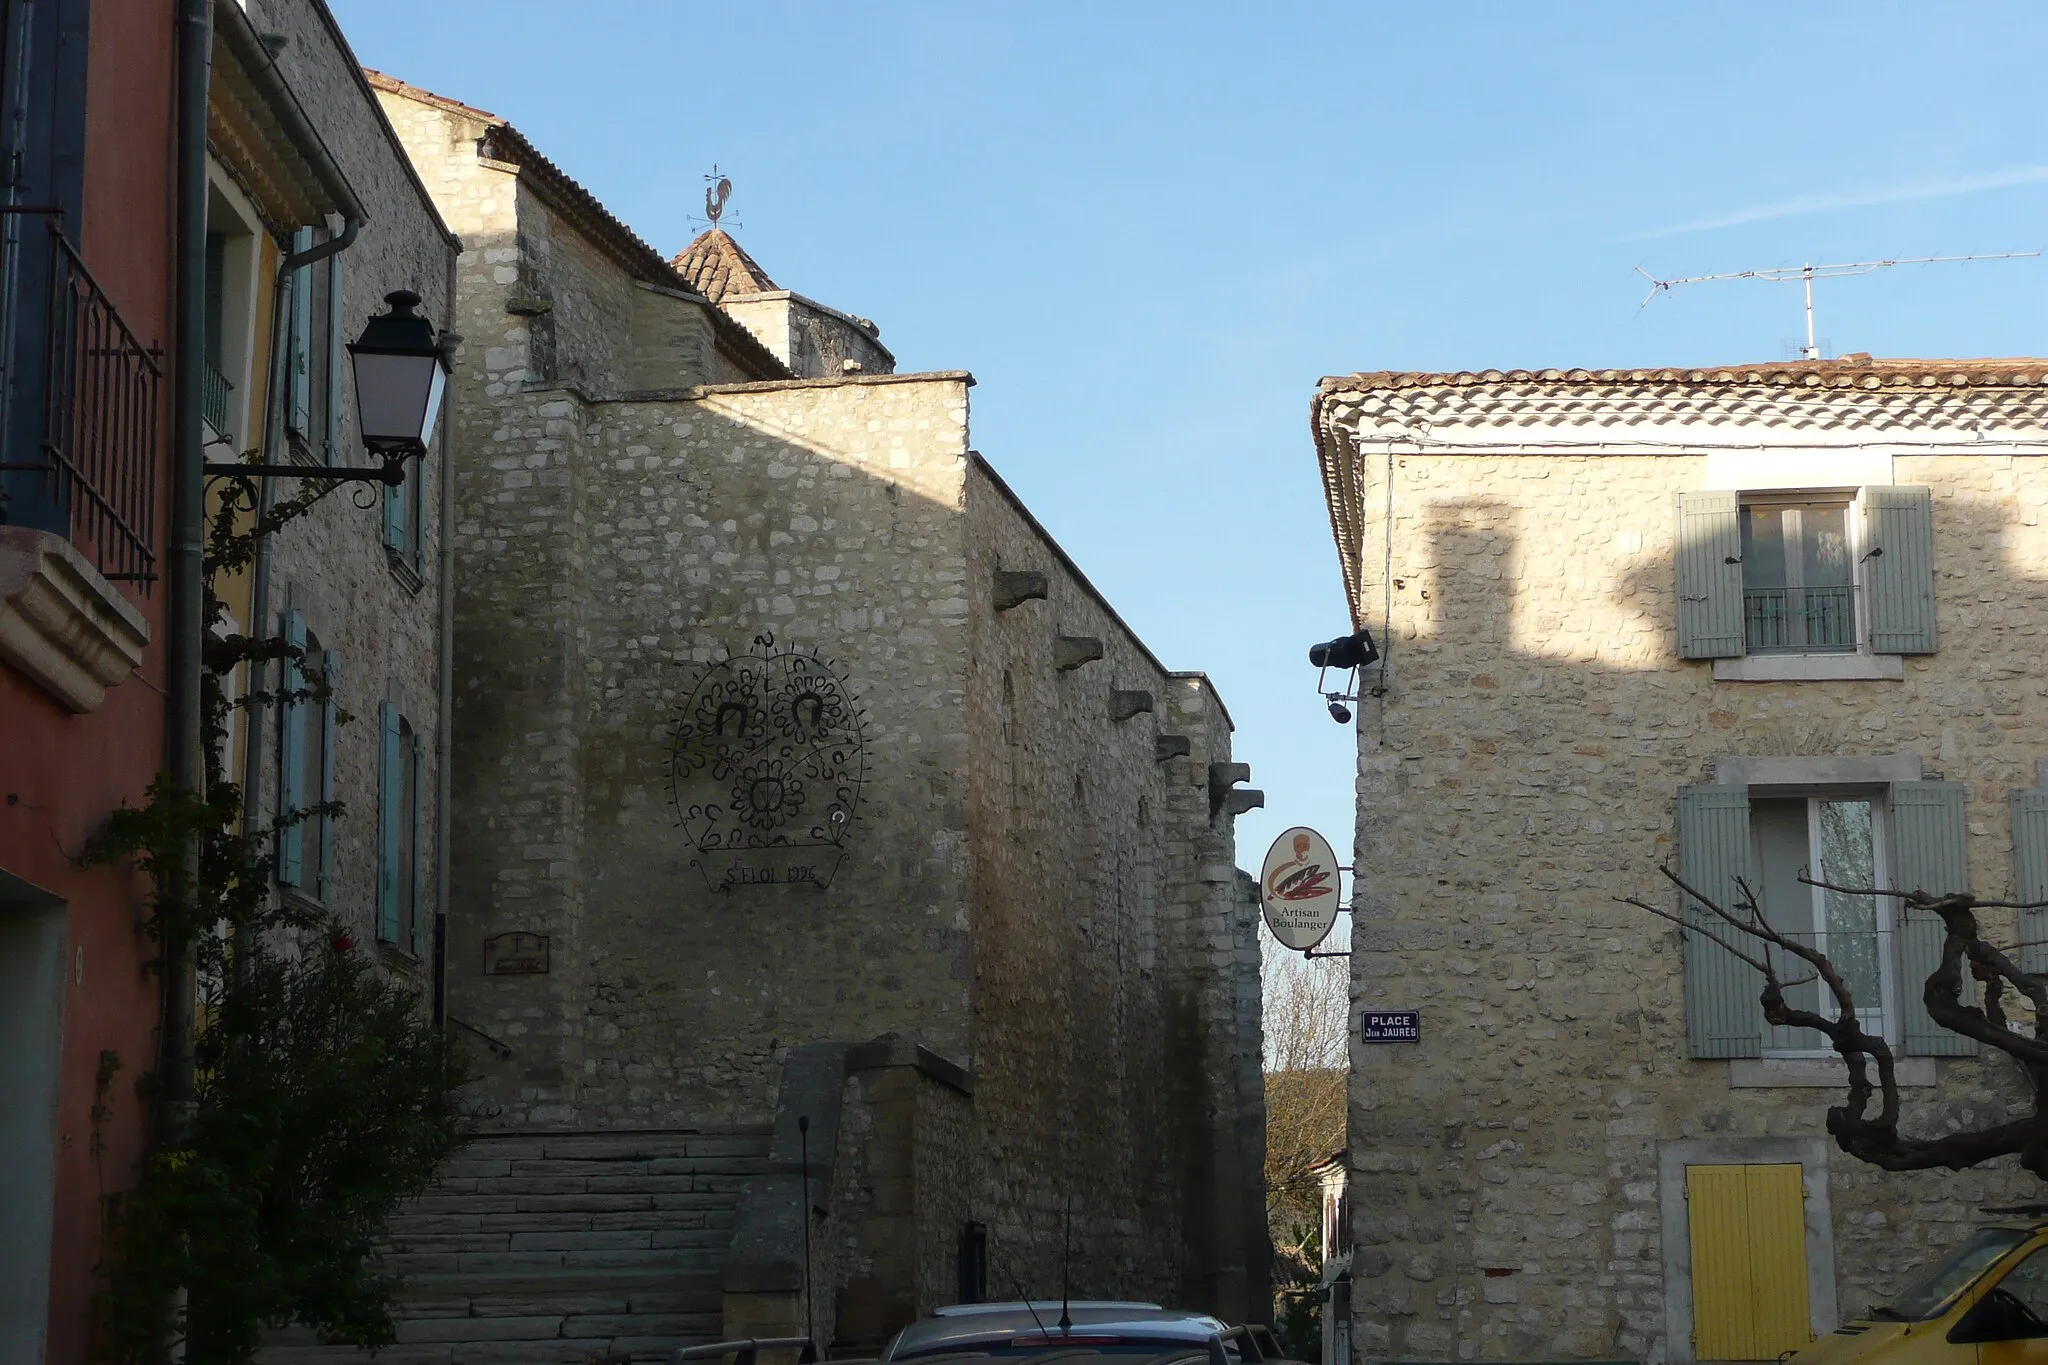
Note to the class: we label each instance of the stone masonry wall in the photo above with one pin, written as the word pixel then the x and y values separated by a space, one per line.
pixel 331 565
pixel 651 538
pixel 1104 1009
pixel 1519 775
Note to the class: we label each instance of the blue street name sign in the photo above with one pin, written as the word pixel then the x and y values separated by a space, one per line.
pixel 1392 1026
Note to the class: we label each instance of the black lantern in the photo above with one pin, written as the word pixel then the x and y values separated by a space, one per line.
pixel 401 376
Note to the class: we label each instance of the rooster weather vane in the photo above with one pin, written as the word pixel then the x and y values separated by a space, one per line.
pixel 717 189
pixel 766 768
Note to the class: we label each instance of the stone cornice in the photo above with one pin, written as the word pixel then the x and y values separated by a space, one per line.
pixel 62 625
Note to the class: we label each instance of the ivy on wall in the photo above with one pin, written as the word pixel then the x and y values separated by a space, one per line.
pixel 324 1097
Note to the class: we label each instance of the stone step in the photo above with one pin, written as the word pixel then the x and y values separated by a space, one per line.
pixel 522 1317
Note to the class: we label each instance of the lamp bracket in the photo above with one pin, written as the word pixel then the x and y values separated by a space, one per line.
pixel 391 472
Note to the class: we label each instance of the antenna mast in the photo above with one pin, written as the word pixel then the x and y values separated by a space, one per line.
pixel 1808 273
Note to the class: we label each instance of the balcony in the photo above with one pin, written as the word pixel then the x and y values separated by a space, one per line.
pixel 98 449
pixel 1799 620
pixel 215 394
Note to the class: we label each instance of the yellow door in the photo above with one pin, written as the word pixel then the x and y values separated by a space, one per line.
pixel 1748 1226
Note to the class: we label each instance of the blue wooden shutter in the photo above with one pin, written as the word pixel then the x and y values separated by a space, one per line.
pixel 1898 569
pixel 2030 874
pixel 419 843
pixel 1709 576
pixel 298 355
pixel 336 354
pixel 290 761
pixel 390 782
pixel 1929 853
pixel 1722 1015
pixel 330 722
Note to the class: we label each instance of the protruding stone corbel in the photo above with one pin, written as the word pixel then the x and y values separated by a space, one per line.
pixel 1171 746
pixel 1069 652
pixel 1223 777
pixel 1124 704
pixel 1242 799
pixel 1014 587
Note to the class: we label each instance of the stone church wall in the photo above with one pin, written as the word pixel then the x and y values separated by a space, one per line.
pixel 670 534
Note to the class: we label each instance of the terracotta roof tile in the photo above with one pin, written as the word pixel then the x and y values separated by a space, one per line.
pixel 1844 372
pixel 715 265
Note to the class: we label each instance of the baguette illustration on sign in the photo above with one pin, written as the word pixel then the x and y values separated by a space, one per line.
pixel 1298 888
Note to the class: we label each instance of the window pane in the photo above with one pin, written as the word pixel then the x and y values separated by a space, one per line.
pixel 1824 545
pixel 1846 859
pixel 1779 827
pixel 1763 547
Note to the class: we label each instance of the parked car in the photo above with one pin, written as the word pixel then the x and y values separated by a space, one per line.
pixel 1992 1289
pixel 1016 1330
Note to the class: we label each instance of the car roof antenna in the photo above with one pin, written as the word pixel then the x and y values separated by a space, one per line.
pixel 1066 1265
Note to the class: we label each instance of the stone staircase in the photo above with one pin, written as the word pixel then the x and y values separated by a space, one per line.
pixel 560 1248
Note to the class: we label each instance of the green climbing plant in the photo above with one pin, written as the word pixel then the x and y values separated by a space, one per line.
pixel 323 1098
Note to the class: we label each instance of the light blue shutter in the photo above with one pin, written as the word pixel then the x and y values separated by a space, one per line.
pixel 1709 576
pixel 298 355
pixel 330 722
pixel 1722 1015
pixel 290 750
pixel 1898 569
pixel 1930 853
pixel 419 843
pixel 335 356
pixel 390 782
pixel 2030 874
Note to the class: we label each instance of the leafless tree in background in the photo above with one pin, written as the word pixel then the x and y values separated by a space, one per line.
pixel 1307 1004
pixel 1876 1138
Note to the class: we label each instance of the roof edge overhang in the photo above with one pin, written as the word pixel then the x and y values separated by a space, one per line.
pixel 259 131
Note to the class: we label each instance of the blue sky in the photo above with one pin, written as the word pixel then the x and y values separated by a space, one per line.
pixel 1148 229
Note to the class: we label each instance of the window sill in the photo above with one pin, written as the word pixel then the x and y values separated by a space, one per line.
pixel 1809 667
pixel 1830 1073
pixel 62 625
pixel 402 570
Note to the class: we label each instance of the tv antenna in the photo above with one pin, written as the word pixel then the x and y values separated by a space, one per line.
pixel 1807 274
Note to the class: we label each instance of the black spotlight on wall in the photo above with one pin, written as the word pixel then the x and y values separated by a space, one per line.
pixel 1347 654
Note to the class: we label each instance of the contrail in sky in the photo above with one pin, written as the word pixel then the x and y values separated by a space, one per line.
pixel 1904 193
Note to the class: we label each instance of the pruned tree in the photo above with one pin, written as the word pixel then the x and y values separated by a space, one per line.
pixel 1306 1004
pixel 1992 978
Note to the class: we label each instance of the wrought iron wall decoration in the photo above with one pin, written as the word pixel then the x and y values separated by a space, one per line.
pixel 766 768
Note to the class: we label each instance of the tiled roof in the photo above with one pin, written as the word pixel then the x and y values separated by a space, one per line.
pixel 1844 372
pixel 715 265
pixel 502 142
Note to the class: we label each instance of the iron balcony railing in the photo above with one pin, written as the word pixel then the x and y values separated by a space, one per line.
pixel 1799 620
pixel 215 393
pixel 102 390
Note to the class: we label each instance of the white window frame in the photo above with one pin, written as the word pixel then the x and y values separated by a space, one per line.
pixel 1851 501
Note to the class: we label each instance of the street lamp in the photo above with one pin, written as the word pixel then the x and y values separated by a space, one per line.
pixel 401 370
pixel 401 375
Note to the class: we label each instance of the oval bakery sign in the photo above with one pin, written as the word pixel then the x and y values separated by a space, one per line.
pixel 1298 887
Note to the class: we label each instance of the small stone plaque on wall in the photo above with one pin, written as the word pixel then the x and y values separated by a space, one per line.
pixel 516 954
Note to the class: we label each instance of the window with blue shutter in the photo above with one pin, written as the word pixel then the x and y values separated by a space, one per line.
pixel 1709 576
pixel 1929 853
pixel 299 351
pixel 1722 1015
pixel 290 756
pixel 2030 874
pixel 416 846
pixel 391 815
pixel 1898 569
pixel 337 353
pixel 330 723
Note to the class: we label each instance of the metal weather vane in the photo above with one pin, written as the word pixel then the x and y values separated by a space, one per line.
pixel 717 189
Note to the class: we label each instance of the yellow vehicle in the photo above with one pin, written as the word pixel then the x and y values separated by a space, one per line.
pixel 1985 1303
